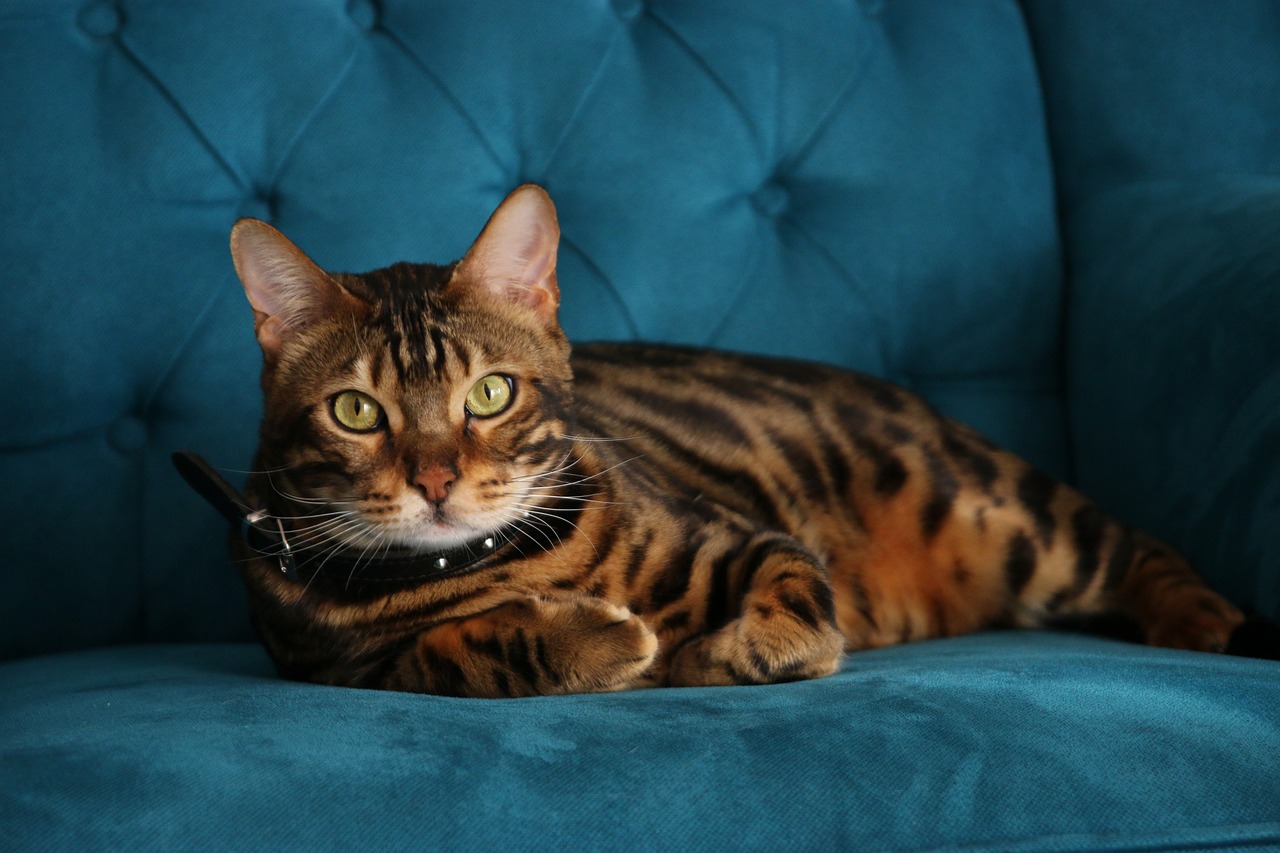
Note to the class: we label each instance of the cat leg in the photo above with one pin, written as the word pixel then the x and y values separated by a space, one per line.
pixel 528 647
pixel 786 629
pixel 1170 602
pixel 1136 578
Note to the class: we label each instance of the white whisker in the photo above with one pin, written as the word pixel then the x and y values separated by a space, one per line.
pixel 529 490
pixel 539 475
pixel 535 525
pixel 324 533
pixel 543 513
pixel 610 468
pixel 313 515
pixel 262 471
pixel 355 565
pixel 596 438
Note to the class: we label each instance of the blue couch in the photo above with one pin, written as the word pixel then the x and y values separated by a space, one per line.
pixel 1060 221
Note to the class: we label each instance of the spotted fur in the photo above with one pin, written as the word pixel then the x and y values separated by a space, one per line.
pixel 675 516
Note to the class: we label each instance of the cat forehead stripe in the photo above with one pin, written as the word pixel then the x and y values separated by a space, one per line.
pixel 412 318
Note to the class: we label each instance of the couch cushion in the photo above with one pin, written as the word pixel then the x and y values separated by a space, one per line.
pixel 857 182
pixel 1012 741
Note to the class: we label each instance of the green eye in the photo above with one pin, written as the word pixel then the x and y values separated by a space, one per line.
pixel 357 412
pixel 489 396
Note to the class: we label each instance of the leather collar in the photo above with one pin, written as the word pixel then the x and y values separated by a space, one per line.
pixel 266 535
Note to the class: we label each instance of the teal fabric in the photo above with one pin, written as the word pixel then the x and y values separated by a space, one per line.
pixel 1058 220
pixel 1139 91
pixel 1009 742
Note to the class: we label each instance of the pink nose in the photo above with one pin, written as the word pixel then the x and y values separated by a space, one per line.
pixel 435 480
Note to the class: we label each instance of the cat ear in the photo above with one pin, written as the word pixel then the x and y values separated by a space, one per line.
pixel 514 257
pixel 287 290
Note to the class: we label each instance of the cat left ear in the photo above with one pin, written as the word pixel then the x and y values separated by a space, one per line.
pixel 515 255
pixel 287 290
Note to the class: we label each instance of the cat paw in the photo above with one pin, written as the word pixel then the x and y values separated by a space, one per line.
pixel 758 650
pixel 587 645
pixel 1207 625
pixel 1255 637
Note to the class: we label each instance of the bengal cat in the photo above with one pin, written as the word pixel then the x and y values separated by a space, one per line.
pixel 449 500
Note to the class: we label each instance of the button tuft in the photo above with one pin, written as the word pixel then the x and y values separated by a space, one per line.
pixel 772 199
pixel 261 206
pixel 628 10
pixel 128 435
pixel 102 20
pixel 364 13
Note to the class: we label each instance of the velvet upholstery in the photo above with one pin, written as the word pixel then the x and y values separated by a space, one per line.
pixel 1009 742
pixel 1057 220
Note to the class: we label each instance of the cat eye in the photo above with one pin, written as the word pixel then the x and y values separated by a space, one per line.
pixel 489 396
pixel 357 412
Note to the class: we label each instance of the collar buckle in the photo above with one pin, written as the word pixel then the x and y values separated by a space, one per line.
pixel 288 566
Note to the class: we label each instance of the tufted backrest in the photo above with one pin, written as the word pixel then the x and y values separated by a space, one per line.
pixel 860 182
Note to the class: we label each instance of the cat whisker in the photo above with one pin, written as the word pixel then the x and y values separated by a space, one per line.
pixel 551 482
pixel 546 484
pixel 318 535
pixel 319 521
pixel 356 565
pixel 544 475
pixel 542 513
pixel 596 438
pixel 328 555
pixel 312 501
pixel 531 524
pixel 538 475
pixel 321 534
pixel 611 467
pixel 555 487
pixel 313 515
pixel 266 472
pixel 308 537
pixel 594 503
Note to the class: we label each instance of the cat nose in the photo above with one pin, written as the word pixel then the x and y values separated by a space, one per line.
pixel 435 480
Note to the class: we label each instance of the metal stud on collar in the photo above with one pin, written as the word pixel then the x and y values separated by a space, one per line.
pixel 486 546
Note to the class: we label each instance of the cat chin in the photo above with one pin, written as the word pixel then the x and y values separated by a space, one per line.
pixel 427 529
pixel 438 536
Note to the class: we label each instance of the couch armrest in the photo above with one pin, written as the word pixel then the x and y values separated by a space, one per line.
pixel 1174 370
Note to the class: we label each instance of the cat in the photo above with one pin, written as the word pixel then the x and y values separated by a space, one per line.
pixel 450 500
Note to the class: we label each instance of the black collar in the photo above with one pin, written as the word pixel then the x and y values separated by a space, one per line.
pixel 265 534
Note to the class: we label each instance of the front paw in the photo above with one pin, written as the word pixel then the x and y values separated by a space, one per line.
pixel 589 645
pixel 1255 637
pixel 755 650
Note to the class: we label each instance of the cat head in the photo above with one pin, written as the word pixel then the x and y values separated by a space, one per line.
pixel 421 406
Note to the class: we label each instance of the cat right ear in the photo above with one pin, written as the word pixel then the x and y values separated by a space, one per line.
pixel 287 290
pixel 514 258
